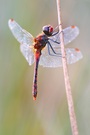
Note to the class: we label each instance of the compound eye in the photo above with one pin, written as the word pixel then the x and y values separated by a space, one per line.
pixel 48 30
pixel 45 29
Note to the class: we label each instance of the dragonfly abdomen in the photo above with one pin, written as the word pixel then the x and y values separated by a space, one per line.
pixel 37 57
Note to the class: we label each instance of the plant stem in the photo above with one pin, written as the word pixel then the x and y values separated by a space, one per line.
pixel 66 76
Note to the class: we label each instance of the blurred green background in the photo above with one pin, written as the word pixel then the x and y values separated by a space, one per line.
pixel 48 115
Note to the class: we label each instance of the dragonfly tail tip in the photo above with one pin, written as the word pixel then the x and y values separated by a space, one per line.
pixel 34 98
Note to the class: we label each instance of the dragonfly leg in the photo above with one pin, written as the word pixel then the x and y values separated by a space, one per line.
pixel 55 33
pixel 54 53
pixel 55 41
pixel 57 27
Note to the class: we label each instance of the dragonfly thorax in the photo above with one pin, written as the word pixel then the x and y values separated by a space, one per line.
pixel 40 41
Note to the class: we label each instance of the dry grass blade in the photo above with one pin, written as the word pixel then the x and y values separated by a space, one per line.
pixel 66 76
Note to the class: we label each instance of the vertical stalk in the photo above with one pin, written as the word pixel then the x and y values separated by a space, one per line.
pixel 66 76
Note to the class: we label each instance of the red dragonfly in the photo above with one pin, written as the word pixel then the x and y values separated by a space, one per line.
pixel 45 48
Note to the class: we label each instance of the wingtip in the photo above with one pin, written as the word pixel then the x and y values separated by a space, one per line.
pixel 76 29
pixel 10 20
pixel 73 26
pixel 10 23
pixel 79 52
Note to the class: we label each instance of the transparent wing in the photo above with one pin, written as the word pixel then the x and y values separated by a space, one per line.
pixel 72 54
pixel 27 53
pixel 70 33
pixel 25 39
pixel 20 34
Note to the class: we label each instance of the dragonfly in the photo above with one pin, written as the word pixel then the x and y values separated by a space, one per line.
pixel 45 48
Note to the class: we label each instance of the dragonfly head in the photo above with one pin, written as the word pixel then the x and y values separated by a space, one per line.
pixel 48 30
